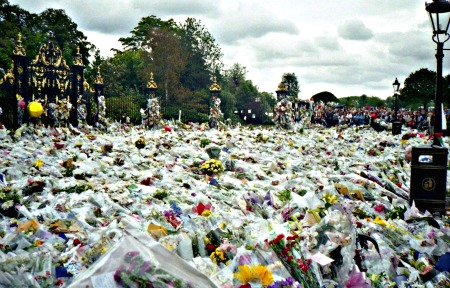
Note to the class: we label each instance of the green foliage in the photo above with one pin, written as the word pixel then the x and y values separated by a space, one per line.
pixel 160 194
pixel 202 43
pixel 35 30
pixel 418 89
pixel 325 97
pixel 234 76
pixel 355 101
pixel 129 103
pixel 291 82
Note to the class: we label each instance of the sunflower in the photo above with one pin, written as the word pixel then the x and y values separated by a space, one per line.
pixel 254 273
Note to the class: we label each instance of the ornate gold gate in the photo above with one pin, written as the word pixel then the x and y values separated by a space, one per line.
pixel 48 80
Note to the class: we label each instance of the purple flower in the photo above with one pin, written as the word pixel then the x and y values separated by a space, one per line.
pixel 286 213
pixel 130 255
pixel 145 267
pixel 167 213
pixel 132 265
pixel 286 283
pixel 245 259
pixel 117 277
pixel 357 279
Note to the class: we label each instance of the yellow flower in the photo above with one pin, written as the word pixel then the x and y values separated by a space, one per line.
pixel 206 213
pixel 254 273
pixel 168 246
pixel 380 221
pixel 207 240
pixel 330 198
pixel 217 256
pixel 38 164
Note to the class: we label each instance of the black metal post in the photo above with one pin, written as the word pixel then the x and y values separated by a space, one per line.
pixel 77 90
pixel 438 96
pixel 20 86
pixel 396 107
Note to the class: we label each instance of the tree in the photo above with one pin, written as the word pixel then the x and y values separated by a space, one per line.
pixel 66 34
pixel 13 20
pixel 363 100
pixel 35 31
pixel 168 61
pixel 419 87
pixel 245 94
pixel 203 43
pixel 325 97
pixel 142 35
pixel 291 82
pixel 235 76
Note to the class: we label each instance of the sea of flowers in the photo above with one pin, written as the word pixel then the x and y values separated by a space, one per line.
pixel 131 207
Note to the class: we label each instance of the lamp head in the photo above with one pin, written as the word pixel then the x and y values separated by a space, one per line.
pixel 438 11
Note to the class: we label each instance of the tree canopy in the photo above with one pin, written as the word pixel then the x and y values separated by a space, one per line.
pixel 291 82
pixel 325 97
pixel 35 29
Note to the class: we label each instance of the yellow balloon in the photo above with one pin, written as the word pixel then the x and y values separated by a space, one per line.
pixel 35 109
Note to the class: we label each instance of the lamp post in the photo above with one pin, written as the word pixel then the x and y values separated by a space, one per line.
pixel 440 20
pixel 396 126
pixel 429 162
pixel 396 86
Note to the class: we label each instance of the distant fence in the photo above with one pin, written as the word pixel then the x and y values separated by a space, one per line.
pixel 118 108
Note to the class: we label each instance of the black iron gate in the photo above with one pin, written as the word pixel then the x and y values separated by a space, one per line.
pixel 48 80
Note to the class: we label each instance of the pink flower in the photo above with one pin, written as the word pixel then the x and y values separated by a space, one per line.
pixel 379 208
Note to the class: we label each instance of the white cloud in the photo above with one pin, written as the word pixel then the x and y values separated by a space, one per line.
pixel 355 30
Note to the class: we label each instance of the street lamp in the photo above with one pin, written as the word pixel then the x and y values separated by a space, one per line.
pixel 440 20
pixel 429 162
pixel 396 126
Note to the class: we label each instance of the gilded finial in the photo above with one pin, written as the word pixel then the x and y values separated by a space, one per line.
pixel 19 50
pixel 215 86
pixel 152 83
pixel 282 86
pixel 98 79
pixel 78 60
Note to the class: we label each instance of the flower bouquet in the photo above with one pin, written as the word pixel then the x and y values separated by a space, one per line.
pixel 137 260
pixel 8 200
pixel 140 143
pixel 212 167
pixel 137 272
pixel 288 251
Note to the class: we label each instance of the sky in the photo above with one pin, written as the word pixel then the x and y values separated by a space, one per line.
pixel 346 47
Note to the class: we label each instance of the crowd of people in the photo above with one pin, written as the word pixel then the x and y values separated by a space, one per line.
pixel 380 118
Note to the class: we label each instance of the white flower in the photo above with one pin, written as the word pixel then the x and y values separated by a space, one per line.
pixel 2 195
pixel 7 204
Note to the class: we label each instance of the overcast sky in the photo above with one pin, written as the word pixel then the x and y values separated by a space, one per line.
pixel 346 47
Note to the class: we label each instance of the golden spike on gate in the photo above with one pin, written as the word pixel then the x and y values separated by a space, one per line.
pixel 19 50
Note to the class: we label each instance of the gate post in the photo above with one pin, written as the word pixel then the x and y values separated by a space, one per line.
pixel 20 85
pixel 98 86
pixel 77 87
